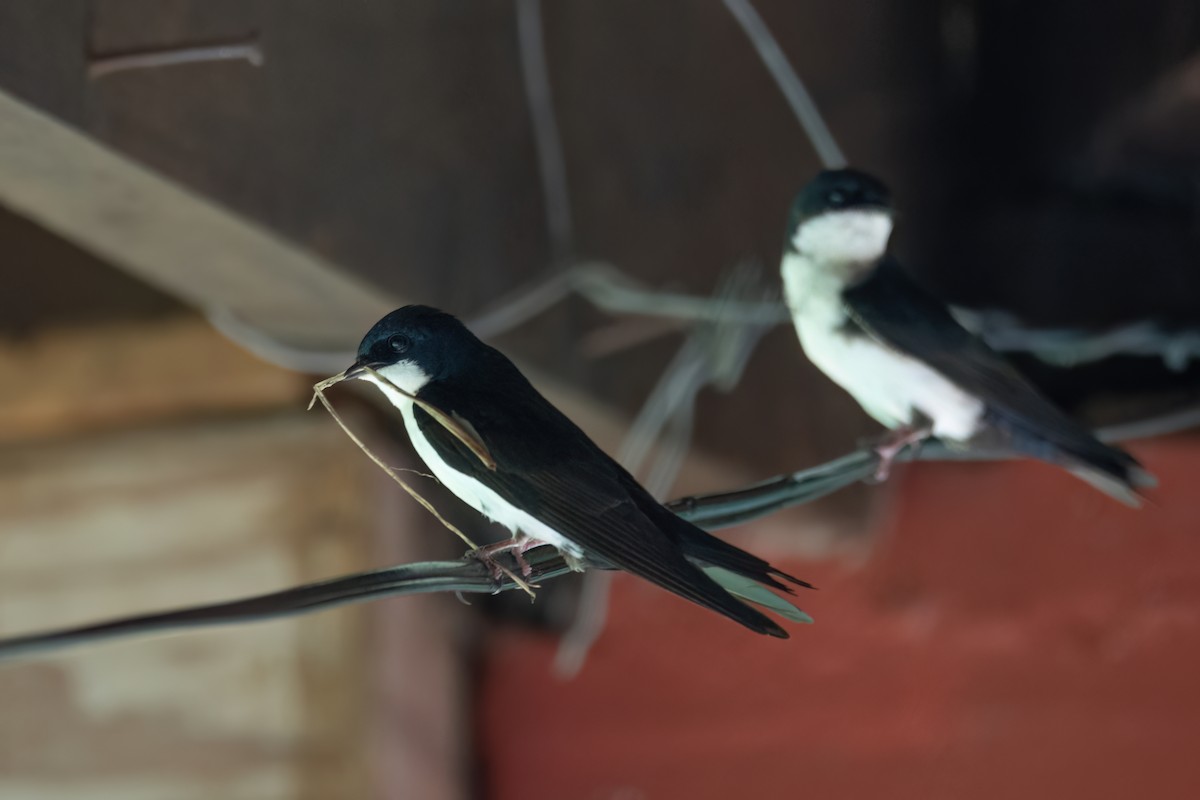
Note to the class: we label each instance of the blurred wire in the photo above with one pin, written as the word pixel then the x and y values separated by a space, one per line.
pixel 711 512
pixel 600 283
pixel 789 83
pixel 676 388
pixel 520 306
pixel 714 353
pixel 726 509
pixel 603 284
pixel 1069 347
pixel 554 287
pixel 608 289
pixel 551 161
pixel 269 349
pixel 465 575
pixel 247 50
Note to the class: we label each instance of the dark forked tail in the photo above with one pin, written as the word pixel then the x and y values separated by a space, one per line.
pixel 739 573
pixel 1109 469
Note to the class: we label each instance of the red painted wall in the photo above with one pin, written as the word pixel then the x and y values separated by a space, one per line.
pixel 1013 634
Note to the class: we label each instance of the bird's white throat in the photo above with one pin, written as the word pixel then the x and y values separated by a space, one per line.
pixel 852 237
pixel 406 375
pixel 831 250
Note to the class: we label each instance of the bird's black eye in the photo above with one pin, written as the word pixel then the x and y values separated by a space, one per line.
pixel 399 343
pixel 837 198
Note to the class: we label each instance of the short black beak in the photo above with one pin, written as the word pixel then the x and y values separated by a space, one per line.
pixel 359 368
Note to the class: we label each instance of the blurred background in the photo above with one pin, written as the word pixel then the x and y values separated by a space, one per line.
pixel 288 171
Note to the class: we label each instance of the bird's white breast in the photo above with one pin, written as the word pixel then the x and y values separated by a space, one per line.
pixel 466 488
pixel 889 385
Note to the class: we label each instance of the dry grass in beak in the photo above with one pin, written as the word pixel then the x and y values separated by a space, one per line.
pixel 319 394
pixel 459 427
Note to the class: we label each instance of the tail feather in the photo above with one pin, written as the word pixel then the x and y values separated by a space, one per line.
pixel 710 593
pixel 739 573
pixel 753 592
pixel 756 621
pixel 673 571
pixel 1109 469
pixel 1122 487
pixel 701 546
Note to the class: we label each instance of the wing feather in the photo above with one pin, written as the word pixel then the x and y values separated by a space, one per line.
pixel 897 312
pixel 552 470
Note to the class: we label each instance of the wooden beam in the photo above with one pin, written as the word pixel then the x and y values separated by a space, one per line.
pixel 174 239
pixel 83 379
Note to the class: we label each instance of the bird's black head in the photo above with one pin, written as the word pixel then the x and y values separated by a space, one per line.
pixel 415 344
pixel 840 190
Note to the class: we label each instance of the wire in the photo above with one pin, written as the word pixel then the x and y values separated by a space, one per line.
pixel 711 511
pixel 551 161
pixel 789 83
pixel 714 353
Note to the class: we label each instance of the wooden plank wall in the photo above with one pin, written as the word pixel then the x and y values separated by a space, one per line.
pixel 153 465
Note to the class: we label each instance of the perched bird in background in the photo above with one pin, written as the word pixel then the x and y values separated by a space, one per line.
pixel 551 484
pixel 898 351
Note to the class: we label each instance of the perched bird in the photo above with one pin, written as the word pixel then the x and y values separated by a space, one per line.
pixel 898 351
pixel 550 483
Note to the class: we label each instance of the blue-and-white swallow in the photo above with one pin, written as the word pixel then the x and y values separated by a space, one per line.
pixel 900 353
pixel 550 483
